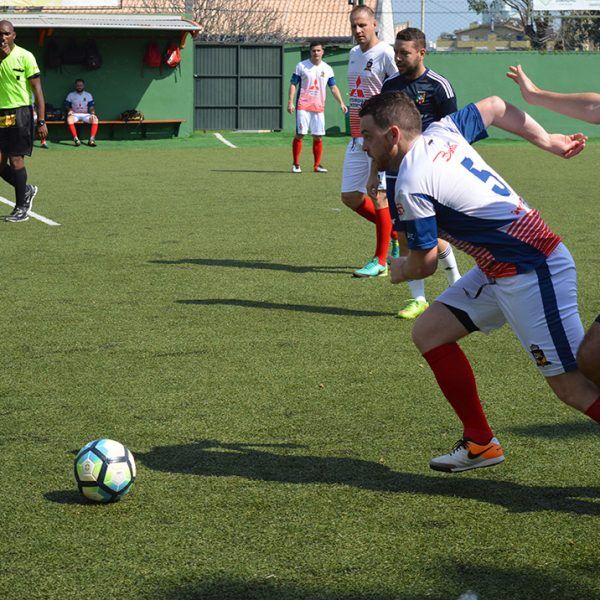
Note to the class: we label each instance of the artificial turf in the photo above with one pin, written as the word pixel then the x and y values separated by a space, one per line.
pixel 196 304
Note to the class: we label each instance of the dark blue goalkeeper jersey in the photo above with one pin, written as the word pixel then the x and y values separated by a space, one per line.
pixel 435 99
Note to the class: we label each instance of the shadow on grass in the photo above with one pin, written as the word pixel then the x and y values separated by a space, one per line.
pixel 323 310
pixel 213 458
pixel 559 430
pixel 453 581
pixel 66 497
pixel 256 264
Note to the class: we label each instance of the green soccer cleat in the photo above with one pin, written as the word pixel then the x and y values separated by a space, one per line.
pixel 413 309
pixel 371 269
pixel 394 249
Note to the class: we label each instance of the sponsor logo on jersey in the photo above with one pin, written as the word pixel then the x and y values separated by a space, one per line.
pixel 420 99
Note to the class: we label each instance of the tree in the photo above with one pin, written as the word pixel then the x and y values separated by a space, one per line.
pixel 232 21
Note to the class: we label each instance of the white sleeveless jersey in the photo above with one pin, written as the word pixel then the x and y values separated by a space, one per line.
pixel 366 73
pixel 447 190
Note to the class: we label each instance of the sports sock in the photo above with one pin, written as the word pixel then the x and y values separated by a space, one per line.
pixel 394 235
pixel 20 179
pixel 317 151
pixel 593 412
pixel 296 150
pixel 73 130
pixel 367 209
pixel 383 229
pixel 455 377
pixel 94 131
pixel 448 261
pixel 417 289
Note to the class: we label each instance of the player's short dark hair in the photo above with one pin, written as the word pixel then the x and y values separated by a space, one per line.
pixel 316 43
pixel 412 34
pixel 79 79
pixel 393 108
pixel 362 8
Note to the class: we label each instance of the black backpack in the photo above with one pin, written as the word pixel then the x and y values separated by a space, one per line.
pixel 73 54
pixel 52 59
pixel 93 59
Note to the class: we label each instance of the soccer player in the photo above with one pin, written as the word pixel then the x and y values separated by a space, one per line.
pixel 80 109
pixel 586 107
pixel 434 98
pixel 524 275
pixel 313 76
pixel 370 63
pixel 19 77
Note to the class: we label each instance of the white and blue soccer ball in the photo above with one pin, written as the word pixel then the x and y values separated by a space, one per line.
pixel 104 470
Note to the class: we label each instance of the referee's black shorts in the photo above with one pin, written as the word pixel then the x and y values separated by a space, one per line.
pixel 16 131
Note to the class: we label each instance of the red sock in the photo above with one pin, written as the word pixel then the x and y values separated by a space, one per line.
pixel 93 130
pixel 383 230
pixel 367 209
pixel 296 149
pixel 593 412
pixel 317 151
pixel 394 235
pixel 456 380
pixel 73 129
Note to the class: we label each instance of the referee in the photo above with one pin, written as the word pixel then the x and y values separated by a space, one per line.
pixel 19 77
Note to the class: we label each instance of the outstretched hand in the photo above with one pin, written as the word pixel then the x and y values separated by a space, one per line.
pixel 566 146
pixel 528 88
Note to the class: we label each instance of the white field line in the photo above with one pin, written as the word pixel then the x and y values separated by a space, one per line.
pixel 31 214
pixel 226 142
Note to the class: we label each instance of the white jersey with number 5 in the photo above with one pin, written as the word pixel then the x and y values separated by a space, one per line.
pixel 447 190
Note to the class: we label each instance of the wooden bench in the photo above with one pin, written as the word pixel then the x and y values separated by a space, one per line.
pixel 175 123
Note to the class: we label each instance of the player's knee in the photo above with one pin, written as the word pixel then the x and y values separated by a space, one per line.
pixel 423 333
pixel 70 119
pixel 589 362
pixel 94 119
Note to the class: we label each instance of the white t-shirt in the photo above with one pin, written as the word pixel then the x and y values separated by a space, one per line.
pixel 79 103
pixel 366 73
pixel 313 80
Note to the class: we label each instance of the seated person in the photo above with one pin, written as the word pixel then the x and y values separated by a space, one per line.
pixel 80 109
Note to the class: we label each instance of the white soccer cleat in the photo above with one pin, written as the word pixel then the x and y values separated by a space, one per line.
pixel 296 169
pixel 320 169
pixel 468 455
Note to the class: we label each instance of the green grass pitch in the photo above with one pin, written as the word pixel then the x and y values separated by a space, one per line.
pixel 196 304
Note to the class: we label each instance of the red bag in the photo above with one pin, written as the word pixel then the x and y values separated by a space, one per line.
pixel 152 57
pixel 172 55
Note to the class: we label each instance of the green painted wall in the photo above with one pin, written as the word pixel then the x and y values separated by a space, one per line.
pixel 121 83
pixel 475 76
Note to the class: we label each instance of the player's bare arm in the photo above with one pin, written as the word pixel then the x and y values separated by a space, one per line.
pixel 292 94
pixel 338 96
pixel 496 111
pixel 584 106
pixel 40 102
pixel 419 264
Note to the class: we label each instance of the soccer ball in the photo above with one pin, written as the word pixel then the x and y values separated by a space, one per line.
pixel 104 470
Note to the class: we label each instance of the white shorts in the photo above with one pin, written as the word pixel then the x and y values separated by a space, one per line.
pixel 82 117
pixel 357 167
pixel 540 306
pixel 307 119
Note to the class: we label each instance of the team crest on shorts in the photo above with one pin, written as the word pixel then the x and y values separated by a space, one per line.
pixel 420 99
pixel 369 65
pixel 539 356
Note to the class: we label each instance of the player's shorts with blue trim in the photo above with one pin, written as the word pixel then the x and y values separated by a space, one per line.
pixel 540 306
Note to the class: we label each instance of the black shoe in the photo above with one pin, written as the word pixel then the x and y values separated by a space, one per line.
pixel 17 215
pixel 77 142
pixel 30 194
pixel 44 146
pixel 92 143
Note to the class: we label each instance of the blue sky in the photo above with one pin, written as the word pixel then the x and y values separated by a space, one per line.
pixel 440 15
